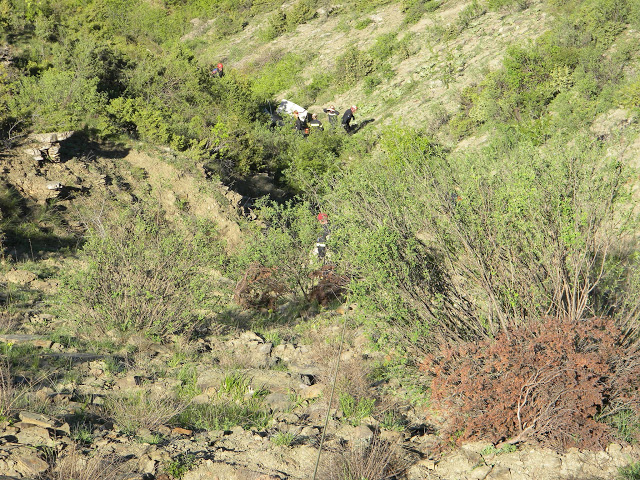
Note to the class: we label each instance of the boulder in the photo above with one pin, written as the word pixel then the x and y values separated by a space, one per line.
pixel 39 420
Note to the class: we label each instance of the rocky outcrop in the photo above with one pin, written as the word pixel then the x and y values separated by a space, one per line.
pixel 46 146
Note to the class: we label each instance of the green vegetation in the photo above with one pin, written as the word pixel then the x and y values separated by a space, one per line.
pixel 141 410
pixel 148 282
pixel 355 410
pixel 442 244
pixel 630 472
pixel 180 465
pixel 284 438
pixel 492 450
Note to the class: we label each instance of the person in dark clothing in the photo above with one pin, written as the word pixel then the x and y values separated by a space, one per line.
pixel 218 71
pixel 332 113
pixel 314 123
pixel 300 126
pixel 347 117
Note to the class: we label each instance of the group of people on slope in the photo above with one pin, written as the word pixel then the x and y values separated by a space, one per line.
pixel 305 126
pixel 311 122
pixel 347 117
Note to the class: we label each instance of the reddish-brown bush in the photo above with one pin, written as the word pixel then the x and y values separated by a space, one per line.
pixel 552 381
pixel 258 288
pixel 329 287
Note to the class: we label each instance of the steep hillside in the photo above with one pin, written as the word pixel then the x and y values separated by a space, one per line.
pixel 438 66
pixel 191 289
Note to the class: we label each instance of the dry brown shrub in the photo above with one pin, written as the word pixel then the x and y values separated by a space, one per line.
pixel 329 287
pixel 9 322
pixel 258 288
pixel 7 390
pixel 550 381
pixel 74 464
pixel 377 460
pixel 142 410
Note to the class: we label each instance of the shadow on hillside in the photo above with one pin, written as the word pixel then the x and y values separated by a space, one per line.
pixel 37 245
pixel 80 145
pixel 32 231
pixel 253 187
pixel 361 125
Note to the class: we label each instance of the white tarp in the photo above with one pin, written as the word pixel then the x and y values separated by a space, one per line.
pixel 289 107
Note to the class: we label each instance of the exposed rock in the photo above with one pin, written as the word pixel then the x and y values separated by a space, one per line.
pixel 278 402
pixel 28 462
pixel 42 343
pixel 35 436
pixel 21 277
pixel 312 391
pixel 38 419
pixel 52 137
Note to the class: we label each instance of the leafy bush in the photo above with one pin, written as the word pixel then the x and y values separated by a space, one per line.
pixel 414 9
pixel 285 245
pixel 312 159
pixel 59 100
pixel 352 66
pixel 550 381
pixel 278 76
pixel 301 12
pixel 630 472
pixel 140 274
pixel 276 26
pixel 312 91
pixel 467 247
pixel 572 57
pixel 180 465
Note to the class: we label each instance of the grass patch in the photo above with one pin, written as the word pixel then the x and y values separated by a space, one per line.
pixel 235 404
pixel 220 415
pixel 630 472
pixel 285 439
pixel 355 410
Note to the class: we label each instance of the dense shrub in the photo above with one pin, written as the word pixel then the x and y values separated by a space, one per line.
pixel 141 274
pixel 278 76
pixel 352 66
pixel 554 381
pixel 470 246
pixel 415 9
pixel 572 57
pixel 283 249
